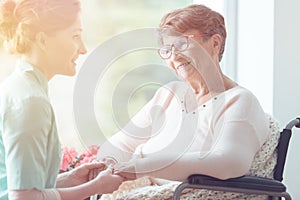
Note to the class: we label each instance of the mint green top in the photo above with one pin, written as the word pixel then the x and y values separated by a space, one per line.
pixel 29 146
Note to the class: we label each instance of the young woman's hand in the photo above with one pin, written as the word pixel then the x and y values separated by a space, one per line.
pixel 108 182
pixel 85 172
pixel 80 175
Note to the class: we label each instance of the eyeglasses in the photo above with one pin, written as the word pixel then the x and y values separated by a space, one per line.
pixel 180 44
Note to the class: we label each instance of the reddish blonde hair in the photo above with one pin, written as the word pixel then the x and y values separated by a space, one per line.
pixel 198 17
pixel 21 20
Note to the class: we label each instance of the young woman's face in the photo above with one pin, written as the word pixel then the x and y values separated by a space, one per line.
pixel 63 49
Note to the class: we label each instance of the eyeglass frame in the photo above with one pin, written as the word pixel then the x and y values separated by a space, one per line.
pixel 187 46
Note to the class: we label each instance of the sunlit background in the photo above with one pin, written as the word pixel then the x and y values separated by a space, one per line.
pixel 261 54
pixel 103 20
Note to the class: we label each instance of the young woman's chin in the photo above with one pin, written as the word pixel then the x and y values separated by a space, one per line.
pixel 70 71
pixel 71 74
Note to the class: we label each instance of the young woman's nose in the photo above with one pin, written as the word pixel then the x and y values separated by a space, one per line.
pixel 82 48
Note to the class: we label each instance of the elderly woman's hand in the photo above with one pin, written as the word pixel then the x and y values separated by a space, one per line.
pixel 126 170
pixel 109 161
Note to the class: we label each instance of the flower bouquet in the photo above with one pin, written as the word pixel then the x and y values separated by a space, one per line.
pixel 71 158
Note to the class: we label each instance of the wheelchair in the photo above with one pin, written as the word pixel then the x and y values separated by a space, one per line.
pixel 273 188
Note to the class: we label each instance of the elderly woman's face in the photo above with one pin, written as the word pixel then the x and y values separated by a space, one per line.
pixel 181 49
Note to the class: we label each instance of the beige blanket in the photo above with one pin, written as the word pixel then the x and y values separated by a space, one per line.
pixel 144 188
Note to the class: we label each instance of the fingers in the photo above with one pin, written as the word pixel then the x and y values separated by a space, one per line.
pixel 120 179
pixel 126 176
pixel 109 161
pixel 122 167
pixel 94 165
pixel 120 173
pixel 95 169
pixel 93 173
pixel 109 169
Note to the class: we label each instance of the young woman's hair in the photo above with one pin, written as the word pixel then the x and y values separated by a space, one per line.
pixel 198 17
pixel 21 20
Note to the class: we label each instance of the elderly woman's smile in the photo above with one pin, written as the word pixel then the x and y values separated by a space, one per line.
pixel 182 65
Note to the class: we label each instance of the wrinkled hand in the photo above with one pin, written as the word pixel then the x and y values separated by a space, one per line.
pixel 109 161
pixel 108 182
pixel 126 170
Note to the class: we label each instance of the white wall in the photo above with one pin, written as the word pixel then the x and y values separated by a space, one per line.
pixel 287 81
pixel 255 49
pixel 268 63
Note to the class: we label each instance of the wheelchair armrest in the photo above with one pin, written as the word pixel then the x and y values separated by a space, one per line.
pixel 243 182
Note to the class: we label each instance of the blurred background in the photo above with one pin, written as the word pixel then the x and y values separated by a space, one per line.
pixel 261 54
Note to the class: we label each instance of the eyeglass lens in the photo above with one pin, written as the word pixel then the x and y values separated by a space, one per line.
pixel 180 44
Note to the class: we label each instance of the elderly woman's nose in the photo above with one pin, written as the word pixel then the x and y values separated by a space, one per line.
pixel 175 53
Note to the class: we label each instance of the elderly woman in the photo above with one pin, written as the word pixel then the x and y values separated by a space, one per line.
pixel 205 124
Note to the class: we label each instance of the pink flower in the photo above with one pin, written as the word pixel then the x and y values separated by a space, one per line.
pixel 68 156
pixel 89 155
pixel 86 160
pixel 91 151
pixel 71 159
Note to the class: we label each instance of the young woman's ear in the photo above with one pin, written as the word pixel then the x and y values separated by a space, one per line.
pixel 40 39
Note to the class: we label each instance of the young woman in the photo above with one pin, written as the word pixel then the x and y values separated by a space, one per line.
pixel 46 37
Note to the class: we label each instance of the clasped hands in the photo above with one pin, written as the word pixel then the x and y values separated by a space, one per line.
pixel 105 167
pixel 107 173
pixel 125 169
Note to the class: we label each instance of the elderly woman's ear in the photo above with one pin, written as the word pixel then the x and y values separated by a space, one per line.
pixel 216 41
